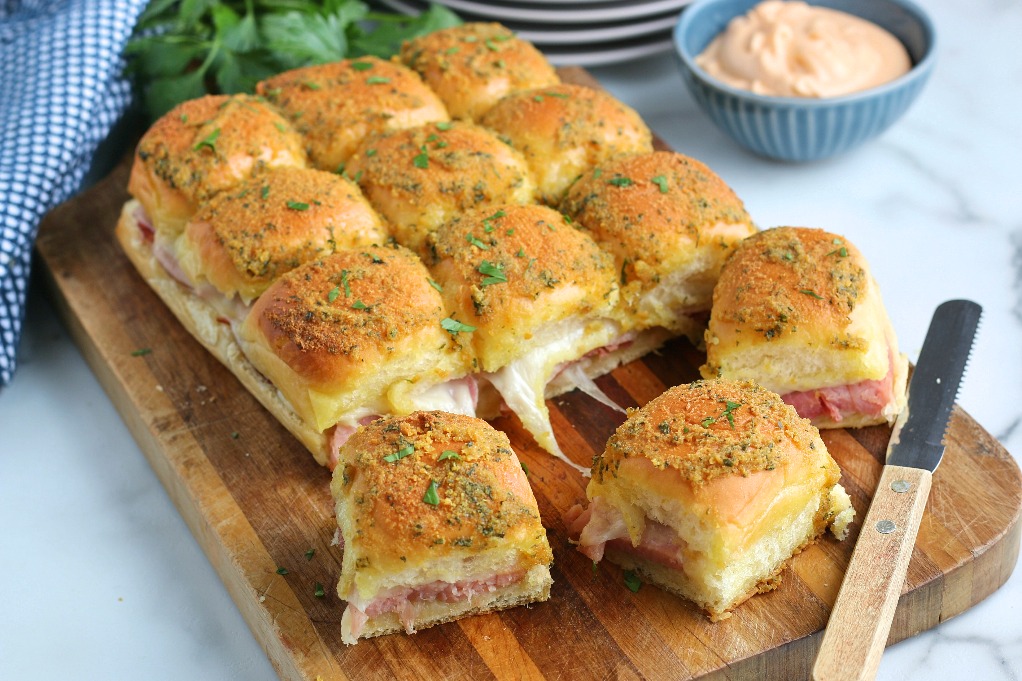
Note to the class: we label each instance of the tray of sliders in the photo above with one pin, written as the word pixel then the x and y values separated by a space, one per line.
pixel 454 370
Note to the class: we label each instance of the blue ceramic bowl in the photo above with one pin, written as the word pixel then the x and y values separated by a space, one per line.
pixel 796 128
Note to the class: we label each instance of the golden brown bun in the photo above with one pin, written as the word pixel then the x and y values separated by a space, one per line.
pixel 354 330
pixel 669 221
pixel 513 271
pixel 243 240
pixel 206 324
pixel 796 309
pixel 735 473
pixel 484 521
pixel 337 105
pixel 421 177
pixel 564 130
pixel 204 146
pixel 473 65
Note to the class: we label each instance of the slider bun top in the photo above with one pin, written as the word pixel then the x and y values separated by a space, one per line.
pixel 797 309
pixel 513 271
pixel 420 177
pixel 660 214
pixel 204 146
pixel 336 105
pixel 564 130
pixel 727 451
pixel 244 239
pixel 485 521
pixel 473 65
pixel 337 333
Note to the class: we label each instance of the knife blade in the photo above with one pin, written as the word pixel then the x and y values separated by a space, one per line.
pixel 860 621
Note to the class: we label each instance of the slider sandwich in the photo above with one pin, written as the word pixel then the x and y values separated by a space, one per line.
pixel 437 521
pixel 564 130
pixel 337 105
pixel 670 222
pixel 202 147
pixel 797 311
pixel 709 490
pixel 535 296
pixel 420 177
pixel 473 65
pixel 353 336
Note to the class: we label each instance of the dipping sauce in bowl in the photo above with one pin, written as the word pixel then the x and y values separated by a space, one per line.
pixel 792 49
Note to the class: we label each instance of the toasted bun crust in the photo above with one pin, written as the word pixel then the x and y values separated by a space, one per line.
pixel 243 240
pixel 204 323
pixel 204 146
pixel 564 130
pixel 335 334
pixel 485 508
pixel 514 270
pixel 421 177
pixel 669 221
pixel 335 106
pixel 740 478
pixel 473 65
pixel 797 309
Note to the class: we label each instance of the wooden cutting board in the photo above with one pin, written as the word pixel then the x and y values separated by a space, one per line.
pixel 256 502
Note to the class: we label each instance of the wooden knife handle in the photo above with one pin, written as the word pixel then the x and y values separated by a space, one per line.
pixel 861 619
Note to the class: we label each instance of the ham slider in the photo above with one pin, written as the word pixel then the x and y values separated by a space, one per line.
pixel 337 105
pixel 202 147
pixel 420 177
pixel 473 65
pixel 709 490
pixel 536 294
pixel 353 336
pixel 564 130
pixel 437 521
pixel 797 311
pixel 670 222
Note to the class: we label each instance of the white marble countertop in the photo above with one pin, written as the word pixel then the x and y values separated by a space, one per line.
pixel 104 580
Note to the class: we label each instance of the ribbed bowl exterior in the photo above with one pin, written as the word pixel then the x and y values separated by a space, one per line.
pixel 795 129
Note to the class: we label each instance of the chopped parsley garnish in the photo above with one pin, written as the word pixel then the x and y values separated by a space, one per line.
pixel 312 85
pixel 282 571
pixel 476 242
pixel 810 292
pixel 448 454
pixel 438 287
pixel 309 554
pixel 297 205
pixel 209 141
pixel 524 468
pixel 265 191
pixel 407 450
pixel 359 305
pixel 431 497
pixel 454 327
pixel 840 252
pixel 661 182
pixel 377 80
pixel 376 260
pixel 444 126
pixel 621 181
pixel 345 284
pixel 421 159
pixel 708 421
pixel 370 153
pixel 141 352
pixel 729 408
pixel 493 273
pixel 361 65
pixel 235 435
pixel 632 581
pixel 332 296
pixel 520 253
pixel 319 592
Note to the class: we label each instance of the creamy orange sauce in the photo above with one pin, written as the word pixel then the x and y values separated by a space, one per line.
pixel 791 49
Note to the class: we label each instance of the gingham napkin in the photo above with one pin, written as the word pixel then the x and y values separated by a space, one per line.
pixel 61 90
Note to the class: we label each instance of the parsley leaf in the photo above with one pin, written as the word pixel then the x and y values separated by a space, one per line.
pixel 431 497
pixel 407 450
pixel 454 327
pixel 493 273
pixel 632 581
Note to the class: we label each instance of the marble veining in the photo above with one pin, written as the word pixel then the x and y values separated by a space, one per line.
pixel 103 579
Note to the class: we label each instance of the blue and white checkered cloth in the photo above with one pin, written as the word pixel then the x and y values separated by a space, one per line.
pixel 61 91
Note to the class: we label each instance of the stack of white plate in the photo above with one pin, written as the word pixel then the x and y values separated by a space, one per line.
pixel 580 32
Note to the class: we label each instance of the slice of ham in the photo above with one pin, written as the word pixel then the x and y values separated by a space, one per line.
pixel 602 525
pixel 407 601
pixel 868 397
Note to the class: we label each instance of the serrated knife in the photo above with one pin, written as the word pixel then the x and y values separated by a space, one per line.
pixel 861 619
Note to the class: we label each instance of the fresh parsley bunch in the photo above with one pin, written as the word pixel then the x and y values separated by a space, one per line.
pixel 183 49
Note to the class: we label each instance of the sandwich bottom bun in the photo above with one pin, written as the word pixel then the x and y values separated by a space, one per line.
pixel 709 490
pixel 438 521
